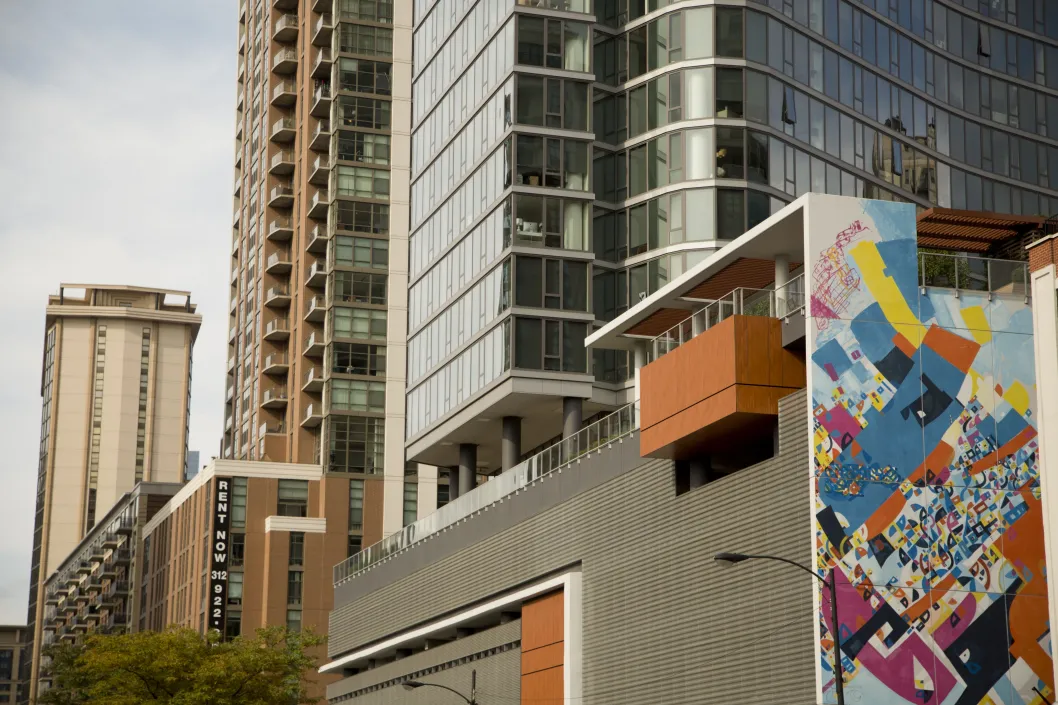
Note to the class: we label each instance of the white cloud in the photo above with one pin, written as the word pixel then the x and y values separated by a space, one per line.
pixel 116 144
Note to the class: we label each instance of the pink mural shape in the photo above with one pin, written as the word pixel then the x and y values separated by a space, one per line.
pixel 834 278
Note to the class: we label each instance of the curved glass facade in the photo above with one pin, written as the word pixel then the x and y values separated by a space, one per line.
pixel 705 119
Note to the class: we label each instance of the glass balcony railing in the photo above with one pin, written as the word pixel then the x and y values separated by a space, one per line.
pixel 592 437
pixel 969 273
pixel 785 301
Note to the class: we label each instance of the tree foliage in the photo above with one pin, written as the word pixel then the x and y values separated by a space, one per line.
pixel 181 667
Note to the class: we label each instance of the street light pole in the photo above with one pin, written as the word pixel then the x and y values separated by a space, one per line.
pixel 832 586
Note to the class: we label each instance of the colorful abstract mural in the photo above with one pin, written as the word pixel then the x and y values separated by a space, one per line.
pixel 924 474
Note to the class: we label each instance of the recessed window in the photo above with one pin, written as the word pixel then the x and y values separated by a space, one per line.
pixel 293 498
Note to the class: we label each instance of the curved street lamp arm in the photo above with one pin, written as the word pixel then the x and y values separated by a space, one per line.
pixel 450 690
pixel 795 564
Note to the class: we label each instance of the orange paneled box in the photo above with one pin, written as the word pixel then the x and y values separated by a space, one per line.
pixel 725 383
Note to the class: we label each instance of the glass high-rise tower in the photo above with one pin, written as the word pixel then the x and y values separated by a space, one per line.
pixel 569 158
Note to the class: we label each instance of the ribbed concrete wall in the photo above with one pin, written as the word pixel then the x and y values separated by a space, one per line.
pixel 662 623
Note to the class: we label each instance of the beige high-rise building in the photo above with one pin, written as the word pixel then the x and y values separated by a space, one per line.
pixel 318 314
pixel 116 386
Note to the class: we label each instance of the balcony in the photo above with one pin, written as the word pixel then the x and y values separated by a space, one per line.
pixel 284 5
pixel 84 568
pixel 242 42
pixel 313 416
pixel 277 297
pixel 280 229
pixel 284 94
pixel 274 398
pixel 282 163
pixel 229 394
pixel 318 238
pixel 322 5
pixel 285 61
pixel 277 329
pixel 973 274
pixel 316 275
pixel 319 204
pixel 313 381
pixel 231 363
pixel 236 217
pixel 314 345
pixel 321 137
pixel 321 101
pixel 278 263
pixel 240 72
pixel 242 11
pixel 321 35
pixel 272 442
pixel 233 333
pixel 315 309
pixel 324 61
pixel 720 374
pixel 321 170
pixel 276 364
pixel 281 196
pixel 122 556
pixel 283 130
pixel 51 599
pixel 285 29
pixel 125 526
pixel 238 186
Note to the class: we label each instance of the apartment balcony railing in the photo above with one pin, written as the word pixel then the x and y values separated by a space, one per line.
pixel 321 101
pixel 318 238
pixel 319 203
pixel 975 274
pixel 277 297
pixel 315 309
pixel 274 398
pixel 282 162
pixel 278 263
pixel 321 170
pixel 324 31
pixel 277 329
pixel 281 196
pixel 313 416
pixel 313 380
pixel 324 62
pixel 593 437
pixel 284 129
pixel 280 229
pixel 285 28
pixel 285 61
pixel 316 274
pixel 276 364
pixel 321 137
pixel 787 301
pixel 284 94
pixel 314 345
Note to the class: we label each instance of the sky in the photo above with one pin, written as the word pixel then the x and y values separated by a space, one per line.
pixel 116 167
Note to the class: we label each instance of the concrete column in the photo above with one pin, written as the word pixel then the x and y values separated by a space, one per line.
pixel 468 467
pixel 782 276
pixel 453 483
pixel 640 359
pixel 572 415
pixel 511 449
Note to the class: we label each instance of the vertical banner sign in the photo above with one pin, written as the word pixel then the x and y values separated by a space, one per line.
pixel 218 574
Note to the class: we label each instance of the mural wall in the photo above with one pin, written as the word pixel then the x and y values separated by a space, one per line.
pixel 925 478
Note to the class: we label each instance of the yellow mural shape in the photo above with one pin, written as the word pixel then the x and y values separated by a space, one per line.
pixel 1018 397
pixel 975 319
pixel 886 292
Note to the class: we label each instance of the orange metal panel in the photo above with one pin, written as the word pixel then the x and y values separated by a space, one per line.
pixel 543 658
pixel 543 687
pixel 542 621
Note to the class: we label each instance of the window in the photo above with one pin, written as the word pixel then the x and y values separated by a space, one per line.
pixel 729 93
pixel 294 620
pixel 363 76
pixel 730 153
pixel 380 11
pixel 360 252
pixel 294 584
pixel 234 587
pixel 359 287
pixel 730 213
pixel 238 503
pixel 551 222
pixel 553 43
pixel 362 182
pixel 355 545
pixel 552 102
pixel 443 493
pixel 358 359
pixel 729 32
pixel 293 498
pixel 362 39
pixel 358 323
pixel 551 283
pixel 297 548
pixel 361 147
pixel 360 217
pixel 356 505
pixel 232 624
pixel 356 395
pixel 356 444
pixel 238 549
pixel 411 502
pixel 7 657
pixel 552 162
pixel 757 157
pixel 550 345
pixel 354 111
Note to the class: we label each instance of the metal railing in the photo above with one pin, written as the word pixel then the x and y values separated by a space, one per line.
pixel 606 430
pixel 969 273
pixel 785 301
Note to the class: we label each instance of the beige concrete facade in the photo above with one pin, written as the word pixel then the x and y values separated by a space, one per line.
pixel 115 390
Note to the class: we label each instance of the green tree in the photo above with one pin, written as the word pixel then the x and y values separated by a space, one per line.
pixel 182 667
